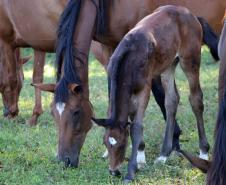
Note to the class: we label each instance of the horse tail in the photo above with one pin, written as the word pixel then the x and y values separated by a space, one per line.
pixel 209 38
pixel 201 164
pixel 65 49
pixel 217 174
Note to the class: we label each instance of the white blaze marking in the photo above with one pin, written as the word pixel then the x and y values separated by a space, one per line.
pixel 161 159
pixel 203 155
pixel 60 107
pixel 141 161
pixel 112 141
pixel 105 155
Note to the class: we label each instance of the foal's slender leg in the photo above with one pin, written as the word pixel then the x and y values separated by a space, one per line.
pixel 190 66
pixel 38 69
pixel 159 95
pixel 171 103
pixel 136 132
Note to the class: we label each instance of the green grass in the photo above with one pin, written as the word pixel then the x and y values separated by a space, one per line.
pixel 27 155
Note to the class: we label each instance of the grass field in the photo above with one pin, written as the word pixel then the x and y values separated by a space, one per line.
pixel 27 155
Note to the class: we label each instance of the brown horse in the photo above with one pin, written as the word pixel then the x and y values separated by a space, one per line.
pixel 39 32
pixel 216 169
pixel 149 50
pixel 7 82
pixel 112 21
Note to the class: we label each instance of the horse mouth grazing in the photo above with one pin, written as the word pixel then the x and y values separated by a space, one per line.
pixel 115 171
pixel 8 114
pixel 69 162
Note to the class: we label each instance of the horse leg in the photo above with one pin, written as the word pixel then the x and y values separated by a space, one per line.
pixel 159 95
pixel 190 66
pixel 137 158
pixel 39 62
pixel 171 103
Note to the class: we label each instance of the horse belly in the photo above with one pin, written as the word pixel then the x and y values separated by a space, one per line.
pixel 37 30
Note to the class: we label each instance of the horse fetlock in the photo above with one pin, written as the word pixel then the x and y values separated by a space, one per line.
pixel 37 111
pixel 32 121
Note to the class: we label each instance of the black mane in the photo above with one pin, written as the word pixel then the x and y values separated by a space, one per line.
pixel 116 63
pixel 65 50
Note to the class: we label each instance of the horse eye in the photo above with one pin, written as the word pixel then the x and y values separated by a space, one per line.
pixel 76 115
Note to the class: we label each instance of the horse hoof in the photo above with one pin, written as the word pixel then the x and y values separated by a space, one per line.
pixel 203 155
pixel 127 181
pixel 161 159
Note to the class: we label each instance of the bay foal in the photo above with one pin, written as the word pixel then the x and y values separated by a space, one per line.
pixel 149 50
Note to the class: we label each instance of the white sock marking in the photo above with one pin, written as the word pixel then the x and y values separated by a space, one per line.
pixel 203 155
pixel 141 160
pixel 161 159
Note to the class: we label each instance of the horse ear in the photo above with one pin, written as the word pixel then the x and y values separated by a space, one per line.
pixel 24 60
pixel 101 122
pixel 197 162
pixel 45 87
pixel 75 88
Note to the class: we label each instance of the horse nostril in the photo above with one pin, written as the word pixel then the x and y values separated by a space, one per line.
pixel 115 173
pixel 67 162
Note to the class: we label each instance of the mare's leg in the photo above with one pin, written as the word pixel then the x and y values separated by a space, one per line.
pixel 38 67
pixel 136 133
pixel 171 103
pixel 190 66
pixel 159 95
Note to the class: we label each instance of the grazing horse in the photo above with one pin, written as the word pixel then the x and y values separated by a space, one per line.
pixel 149 50
pixel 107 22
pixel 7 82
pixel 216 169
pixel 81 21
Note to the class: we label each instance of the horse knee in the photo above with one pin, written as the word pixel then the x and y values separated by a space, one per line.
pixel 171 103
pixel 196 101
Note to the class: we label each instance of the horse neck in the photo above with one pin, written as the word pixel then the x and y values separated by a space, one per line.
pixel 82 39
